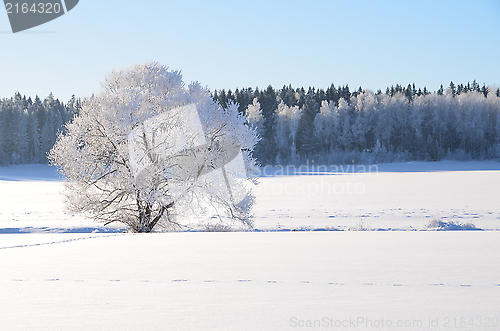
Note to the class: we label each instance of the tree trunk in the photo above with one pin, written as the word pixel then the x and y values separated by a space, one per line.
pixel 146 220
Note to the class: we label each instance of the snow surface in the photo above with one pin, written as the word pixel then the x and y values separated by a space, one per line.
pixel 387 196
pixel 251 281
pixel 274 280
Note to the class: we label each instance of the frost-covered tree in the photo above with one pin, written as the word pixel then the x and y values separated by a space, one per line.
pixel 287 125
pixel 147 151
pixel 255 117
pixel 346 114
pixel 325 128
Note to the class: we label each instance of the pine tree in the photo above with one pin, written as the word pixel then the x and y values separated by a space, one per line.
pixel 440 91
pixel 18 131
pixel 266 149
pixel 4 159
pixel 34 150
pixel 306 142
pixel 452 90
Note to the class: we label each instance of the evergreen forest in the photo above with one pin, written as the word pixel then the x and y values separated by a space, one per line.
pixel 29 127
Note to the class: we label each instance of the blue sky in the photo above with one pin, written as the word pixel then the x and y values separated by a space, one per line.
pixel 230 44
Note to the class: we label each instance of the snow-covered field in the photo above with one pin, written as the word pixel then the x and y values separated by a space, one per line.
pixel 65 276
pixel 387 196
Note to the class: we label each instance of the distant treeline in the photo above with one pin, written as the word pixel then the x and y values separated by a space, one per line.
pixel 28 128
pixel 332 126
pixel 337 126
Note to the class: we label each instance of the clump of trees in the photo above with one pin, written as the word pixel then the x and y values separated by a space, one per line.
pixel 337 126
pixel 29 127
pixel 333 125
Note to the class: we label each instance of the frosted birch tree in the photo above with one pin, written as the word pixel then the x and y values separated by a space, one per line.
pixel 287 124
pixel 255 117
pixel 147 151
pixel 324 125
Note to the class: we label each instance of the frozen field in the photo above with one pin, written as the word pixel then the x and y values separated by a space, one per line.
pixel 277 280
pixel 389 196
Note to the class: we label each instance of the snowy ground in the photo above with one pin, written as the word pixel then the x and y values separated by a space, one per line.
pixel 388 196
pixel 278 280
